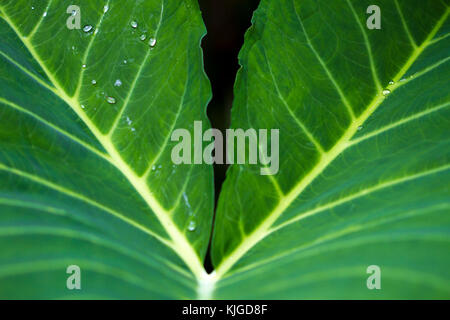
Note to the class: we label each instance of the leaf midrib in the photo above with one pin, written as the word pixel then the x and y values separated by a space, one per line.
pixel 264 228
pixel 330 237
pixel 179 242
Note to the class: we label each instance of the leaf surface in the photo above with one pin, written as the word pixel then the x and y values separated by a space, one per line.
pixel 86 176
pixel 364 154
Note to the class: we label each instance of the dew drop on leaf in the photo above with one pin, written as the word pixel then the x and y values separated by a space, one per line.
pixel 143 37
pixel 87 28
pixel 111 100
pixel 191 226
pixel 94 81
pixel 84 66
pixel 186 200
pixel 45 14
pixel 105 9
pixel 386 92
pixel 118 83
pixel 152 42
pixel 391 82
pixel 134 24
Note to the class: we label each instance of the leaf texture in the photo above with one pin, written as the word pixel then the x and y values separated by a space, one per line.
pixel 86 176
pixel 364 154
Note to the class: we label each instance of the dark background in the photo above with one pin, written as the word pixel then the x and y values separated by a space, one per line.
pixel 226 22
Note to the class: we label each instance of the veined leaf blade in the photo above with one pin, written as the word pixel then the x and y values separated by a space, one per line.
pixel 88 180
pixel 363 173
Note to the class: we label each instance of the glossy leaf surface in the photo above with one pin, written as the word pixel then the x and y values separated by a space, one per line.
pixel 86 176
pixel 363 116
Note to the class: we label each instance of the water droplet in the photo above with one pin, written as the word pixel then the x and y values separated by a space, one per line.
pixel 133 129
pixel 143 37
pixel 45 14
pixel 129 121
pixel 153 168
pixel 160 166
pixel 94 81
pixel 87 28
pixel 74 13
pixel 111 100
pixel 360 128
pixel 191 226
pixel 391 82
pixel 84 66
pixel 386 92
pixel 105 9
pixel 402 80
pixel 125 61
pixel 134 24
pixel 32 8
pixel 96 31
pixel 118 83
pixel 152 42
pixel 186 200
pixel 82 106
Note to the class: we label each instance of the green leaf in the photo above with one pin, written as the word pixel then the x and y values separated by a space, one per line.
pixel 85 172
pixel 86 177
pixel 364 176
